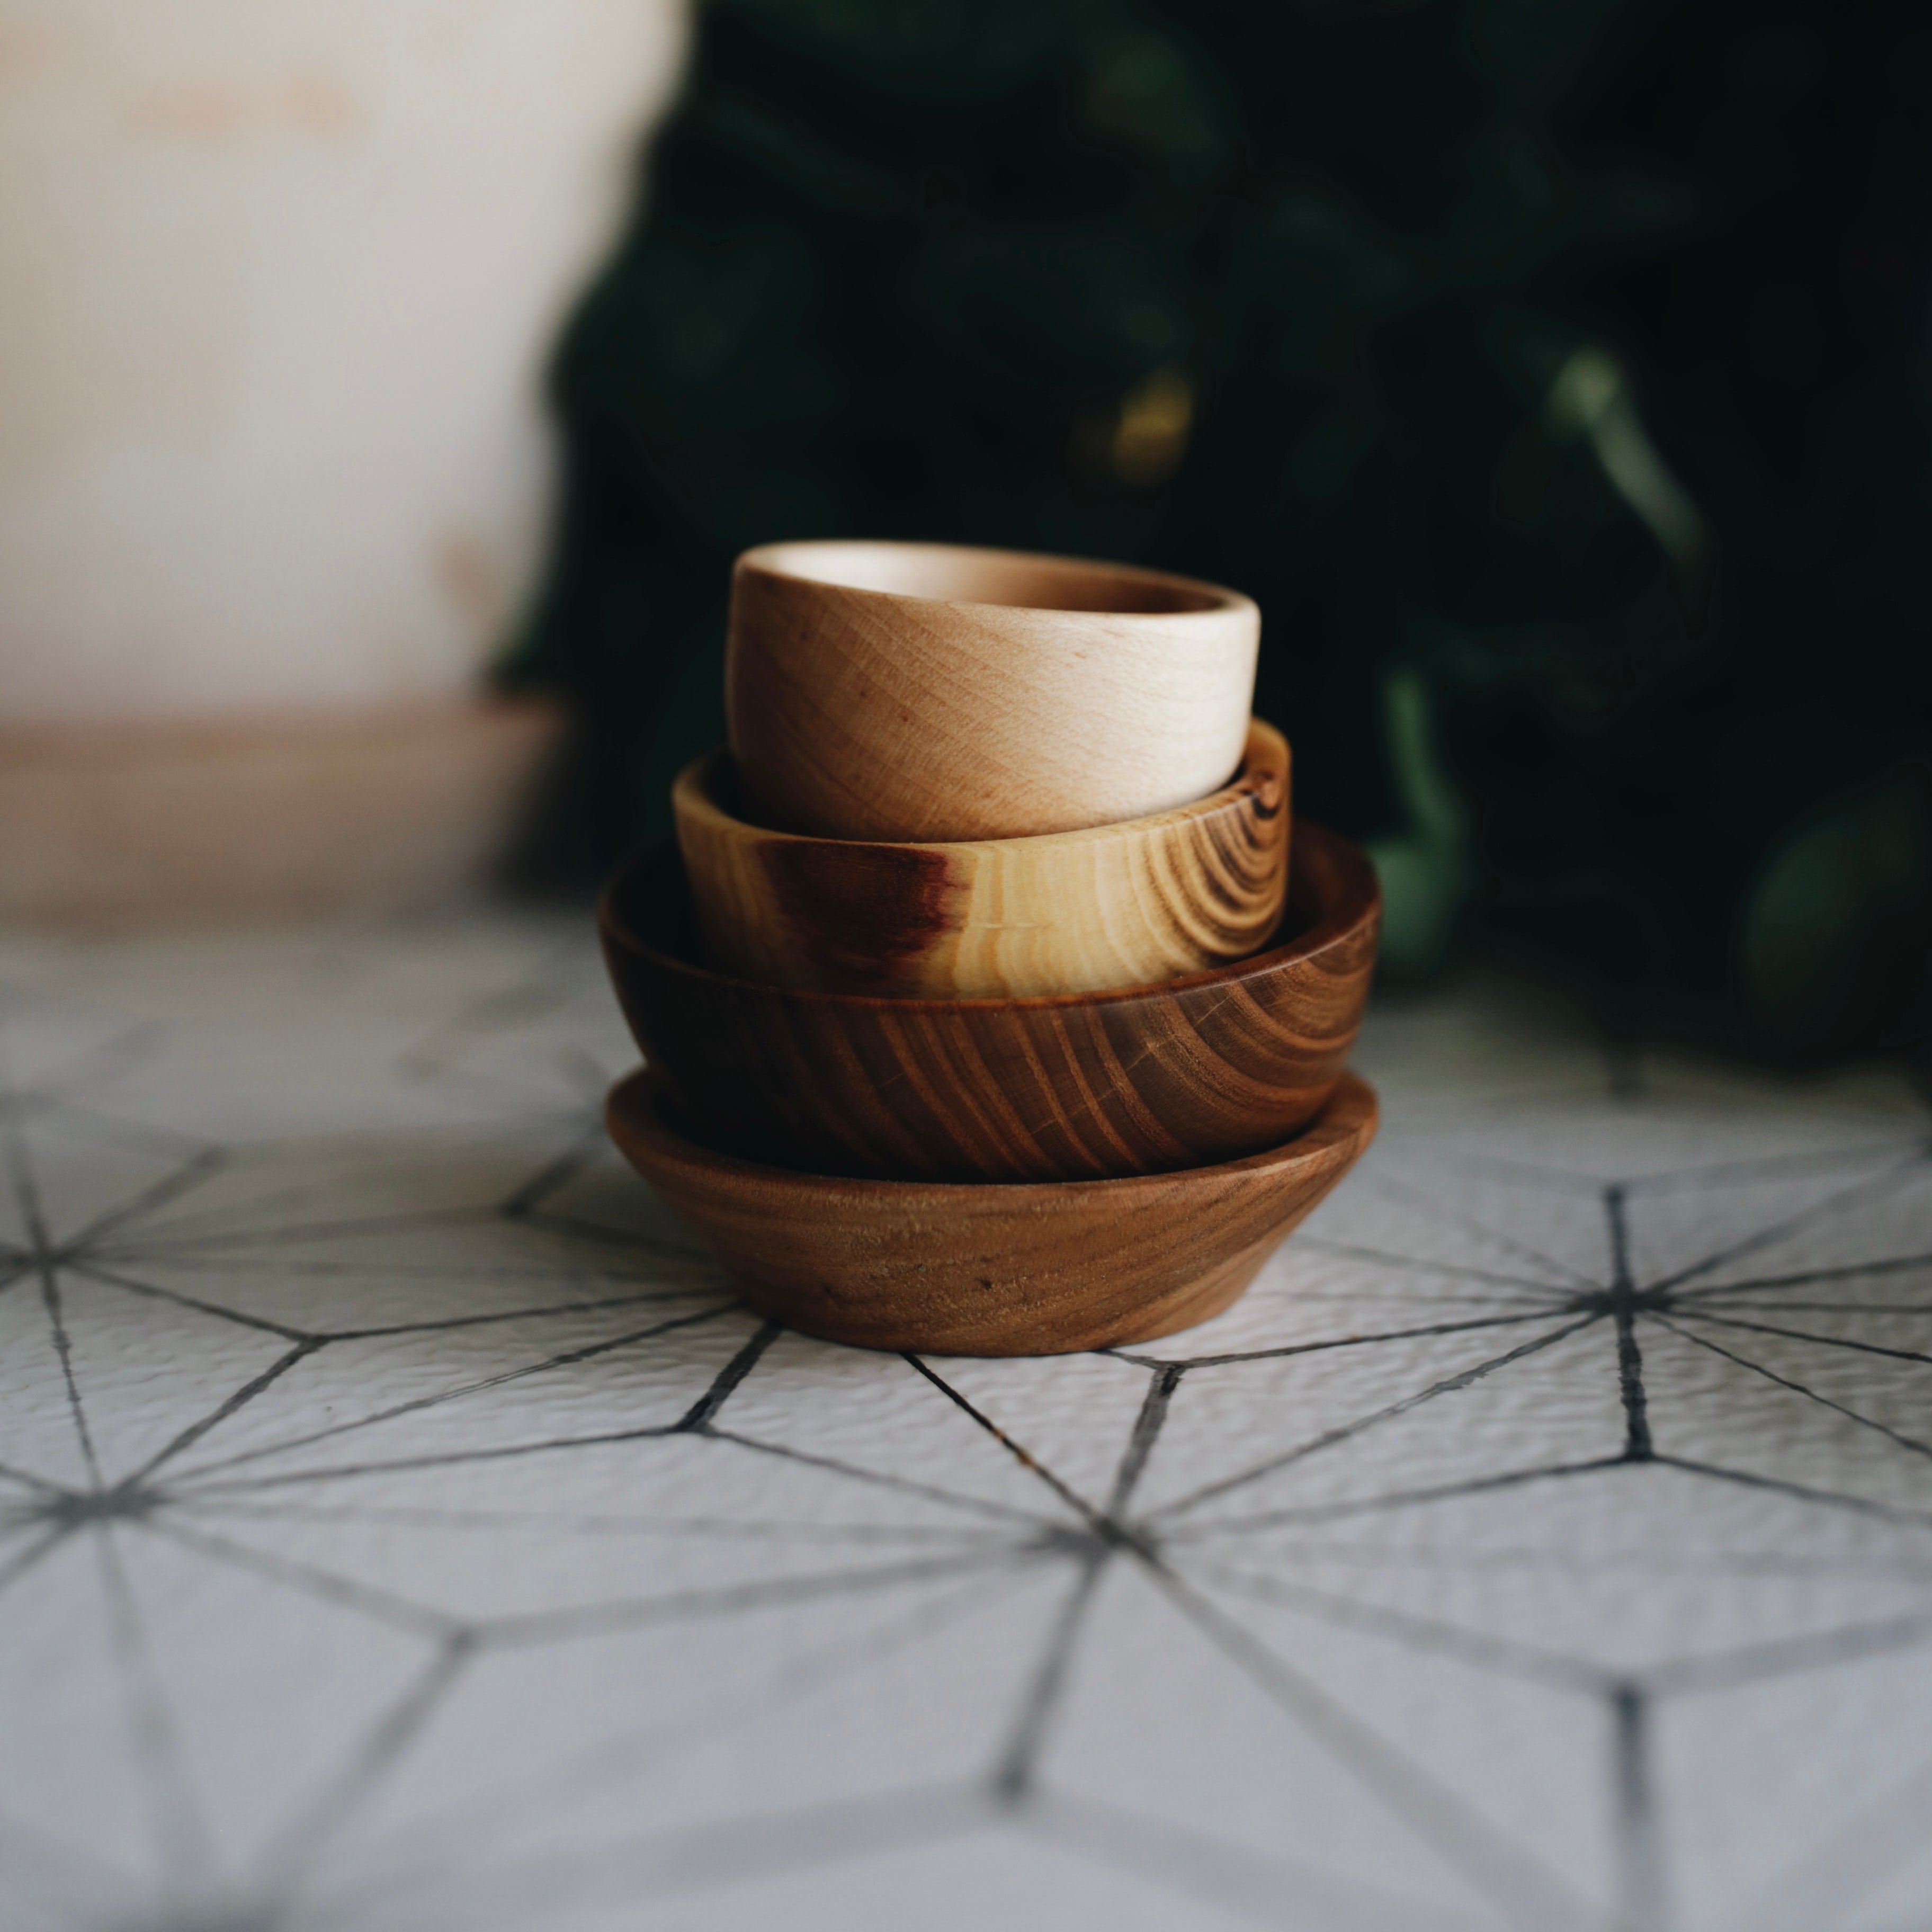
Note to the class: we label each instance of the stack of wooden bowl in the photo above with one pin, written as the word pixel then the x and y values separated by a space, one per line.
pixel 990 1005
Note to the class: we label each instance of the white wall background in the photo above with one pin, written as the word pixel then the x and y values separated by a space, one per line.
pixel 277 279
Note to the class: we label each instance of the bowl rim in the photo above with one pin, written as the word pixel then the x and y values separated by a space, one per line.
pixel 1351 1115
pixel 1218 600
pixel 694 795
pixel 1356 903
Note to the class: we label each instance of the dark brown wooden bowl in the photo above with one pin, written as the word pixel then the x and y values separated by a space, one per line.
pixel 1146 1081
pixel 980 1269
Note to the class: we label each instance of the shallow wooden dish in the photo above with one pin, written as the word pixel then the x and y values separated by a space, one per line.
pixel 1216 1065
pixel 924 692
pixel 1073 912
pixel 976 1269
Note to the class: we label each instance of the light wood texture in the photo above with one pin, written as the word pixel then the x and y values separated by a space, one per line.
pixel 1219 1064
pixel 1074 912
pixel 922 691
pixel 164 824
pixel 979 1269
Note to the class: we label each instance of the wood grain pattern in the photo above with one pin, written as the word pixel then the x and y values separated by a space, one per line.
pixel 1074 912
pixel 1219 1064
pixel 930 693
pixel 980 1269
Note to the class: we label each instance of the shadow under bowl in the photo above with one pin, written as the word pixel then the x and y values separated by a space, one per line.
pixel 975 1269
pixel 1146 1080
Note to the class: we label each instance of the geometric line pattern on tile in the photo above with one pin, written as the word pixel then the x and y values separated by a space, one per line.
pixel 862 1533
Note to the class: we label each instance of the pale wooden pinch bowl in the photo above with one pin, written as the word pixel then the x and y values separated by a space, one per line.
pixel 928 692
pixel 1204 1069
pixel 987 1269
pixel 1070 912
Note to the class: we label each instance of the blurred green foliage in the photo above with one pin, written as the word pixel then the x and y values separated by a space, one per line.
pixel 1556 375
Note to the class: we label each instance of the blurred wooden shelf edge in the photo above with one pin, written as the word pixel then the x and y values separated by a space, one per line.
pixel 168 824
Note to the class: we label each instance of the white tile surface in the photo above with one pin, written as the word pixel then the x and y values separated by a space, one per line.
pixel 402 1529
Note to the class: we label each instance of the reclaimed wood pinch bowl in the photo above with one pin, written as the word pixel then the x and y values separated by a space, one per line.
pixel 1071 912
pixel 977 1269
pixel 930 692
pixel 1206 1068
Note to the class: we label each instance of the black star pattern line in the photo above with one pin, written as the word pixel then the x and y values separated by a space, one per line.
pixel 1234 1542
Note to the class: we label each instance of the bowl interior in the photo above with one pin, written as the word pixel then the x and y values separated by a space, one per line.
pixel 948 573
pixel 712 781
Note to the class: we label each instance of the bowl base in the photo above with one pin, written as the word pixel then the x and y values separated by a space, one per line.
pixel 987 1267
